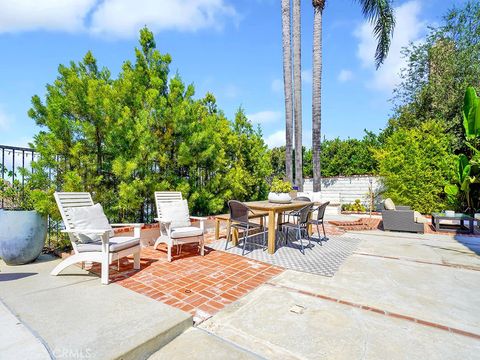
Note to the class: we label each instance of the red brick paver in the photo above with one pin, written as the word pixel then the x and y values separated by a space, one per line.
pixel 200 285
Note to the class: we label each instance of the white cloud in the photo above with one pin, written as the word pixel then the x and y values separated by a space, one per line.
pixel 119 18
pixel 276 139
pixel 345 75
pixel 277 85
pixel 266 116
pixel 123 18
pixel 27 15
pixel 409 28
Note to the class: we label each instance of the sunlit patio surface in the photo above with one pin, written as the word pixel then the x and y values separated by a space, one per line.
pixel 198 285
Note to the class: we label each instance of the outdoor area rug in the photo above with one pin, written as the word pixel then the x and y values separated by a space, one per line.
pixel 324 259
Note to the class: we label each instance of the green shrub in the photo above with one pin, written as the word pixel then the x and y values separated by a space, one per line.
pixel 356 206
pixel 416 164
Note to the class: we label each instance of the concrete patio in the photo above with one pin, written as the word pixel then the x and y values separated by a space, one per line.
pixel 399 296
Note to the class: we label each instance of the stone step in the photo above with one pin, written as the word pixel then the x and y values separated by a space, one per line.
pixel 75 316
pixel 197 344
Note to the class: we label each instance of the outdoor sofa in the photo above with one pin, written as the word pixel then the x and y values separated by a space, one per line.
pixel 401 218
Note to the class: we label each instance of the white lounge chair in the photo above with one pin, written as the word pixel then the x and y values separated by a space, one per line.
pixel 104 248
pixel 168 217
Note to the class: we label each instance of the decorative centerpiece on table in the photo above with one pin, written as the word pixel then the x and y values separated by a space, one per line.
pixel 280 192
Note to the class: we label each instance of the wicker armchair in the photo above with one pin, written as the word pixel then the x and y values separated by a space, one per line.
pixel 401 219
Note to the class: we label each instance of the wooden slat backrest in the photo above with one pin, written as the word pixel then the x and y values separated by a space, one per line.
pixel 66 200
pixel 166 196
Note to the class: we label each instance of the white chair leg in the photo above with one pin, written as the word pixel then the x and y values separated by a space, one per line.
pixel 202 246
pixel 136 261
pixel 157 242
pixel 105 267
pixel 169 252
pixel 71 260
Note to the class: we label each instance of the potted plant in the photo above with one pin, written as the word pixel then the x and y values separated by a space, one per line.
pixel 23 222
pixel 280 192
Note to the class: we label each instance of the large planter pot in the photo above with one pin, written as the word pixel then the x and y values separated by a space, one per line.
pixel 22 236
pixel 281 198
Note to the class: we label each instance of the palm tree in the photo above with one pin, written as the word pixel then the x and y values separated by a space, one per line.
pixel 378 12
pixel 287 85
pixel 297 94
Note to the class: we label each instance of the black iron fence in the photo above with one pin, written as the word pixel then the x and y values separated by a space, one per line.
pixel 16 162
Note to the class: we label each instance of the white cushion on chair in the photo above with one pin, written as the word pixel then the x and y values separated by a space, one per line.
pixel 115 244
pixel 88 217
pixel 176 212
pixel 184 232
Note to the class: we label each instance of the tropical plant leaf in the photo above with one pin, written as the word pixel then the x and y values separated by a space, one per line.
pixel 451 189
pixel 471 113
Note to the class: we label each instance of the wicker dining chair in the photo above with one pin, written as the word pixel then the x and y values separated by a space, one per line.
pixel 294 213
pixel 301 226
pixel 319 220
pixel 239 219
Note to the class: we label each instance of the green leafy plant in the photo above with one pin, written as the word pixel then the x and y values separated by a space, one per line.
pixel 280 186
pixel 468 170
pixel 18 196
pixel 416 164
pixel 357 206
pixel 471 114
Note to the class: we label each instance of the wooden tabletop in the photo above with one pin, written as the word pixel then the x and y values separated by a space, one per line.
pixel 269 206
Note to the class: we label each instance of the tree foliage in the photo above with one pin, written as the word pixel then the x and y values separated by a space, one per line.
pixel 437 73
pixel 124 138
pixel 416 164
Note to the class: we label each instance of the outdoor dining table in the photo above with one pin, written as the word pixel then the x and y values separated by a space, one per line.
pixel 273 209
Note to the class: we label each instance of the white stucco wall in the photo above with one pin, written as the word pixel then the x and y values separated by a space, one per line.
pixel 343 189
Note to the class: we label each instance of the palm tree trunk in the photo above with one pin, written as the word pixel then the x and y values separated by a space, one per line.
pixel 318 6
pixel 287 85
pixel 297 95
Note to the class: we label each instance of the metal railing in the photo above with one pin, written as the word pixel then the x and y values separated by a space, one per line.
pixel 14 160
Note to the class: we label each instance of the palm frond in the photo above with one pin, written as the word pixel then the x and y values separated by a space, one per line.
pixel 380 14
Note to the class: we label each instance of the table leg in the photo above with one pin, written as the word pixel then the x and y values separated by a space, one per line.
pixel 472 229
pixel 437 224
pixel 271 232
pixel 217 229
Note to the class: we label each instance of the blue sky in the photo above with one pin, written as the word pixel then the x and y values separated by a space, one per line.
pixel 231 48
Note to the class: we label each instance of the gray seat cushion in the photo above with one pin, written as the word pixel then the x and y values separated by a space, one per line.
pixel 116 243
pixel 184 232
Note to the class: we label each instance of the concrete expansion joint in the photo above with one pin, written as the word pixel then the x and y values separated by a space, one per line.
pixel 380 311
pixel 446 264
pixel 33 332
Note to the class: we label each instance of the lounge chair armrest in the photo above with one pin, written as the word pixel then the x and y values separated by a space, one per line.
pixel 137 227
pixel 201 219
